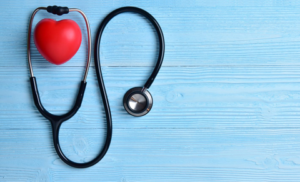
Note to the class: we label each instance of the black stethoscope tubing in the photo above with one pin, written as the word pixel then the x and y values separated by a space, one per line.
pixel 160 39
pixel 57 120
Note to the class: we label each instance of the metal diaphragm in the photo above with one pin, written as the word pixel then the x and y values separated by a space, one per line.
pixel 137 102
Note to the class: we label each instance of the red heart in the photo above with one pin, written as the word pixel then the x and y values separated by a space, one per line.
pixel 57 41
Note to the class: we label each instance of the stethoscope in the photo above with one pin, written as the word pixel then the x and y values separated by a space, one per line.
pixel 137 101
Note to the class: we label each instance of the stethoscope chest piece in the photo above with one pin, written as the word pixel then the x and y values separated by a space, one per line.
pixel 137 101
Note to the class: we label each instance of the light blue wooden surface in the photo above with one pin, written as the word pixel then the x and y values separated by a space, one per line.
pixel 226 102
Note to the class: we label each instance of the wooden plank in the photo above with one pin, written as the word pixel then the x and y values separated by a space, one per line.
pixel 156 154
pixel 235 34
pixel 184 97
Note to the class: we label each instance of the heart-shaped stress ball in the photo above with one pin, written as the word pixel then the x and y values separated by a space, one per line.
pixel 57 41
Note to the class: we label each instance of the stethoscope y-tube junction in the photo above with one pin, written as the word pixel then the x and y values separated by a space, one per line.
pixel 57 120
pixel 137 101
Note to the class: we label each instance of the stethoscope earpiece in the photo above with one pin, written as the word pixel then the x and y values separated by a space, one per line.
pixel 137 101
pixel 57 120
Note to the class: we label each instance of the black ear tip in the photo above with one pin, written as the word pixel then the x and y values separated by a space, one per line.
pixel 58 10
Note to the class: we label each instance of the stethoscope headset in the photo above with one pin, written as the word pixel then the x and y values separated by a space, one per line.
pixel 137 101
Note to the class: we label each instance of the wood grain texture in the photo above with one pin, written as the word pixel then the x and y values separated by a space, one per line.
pixel 226 101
